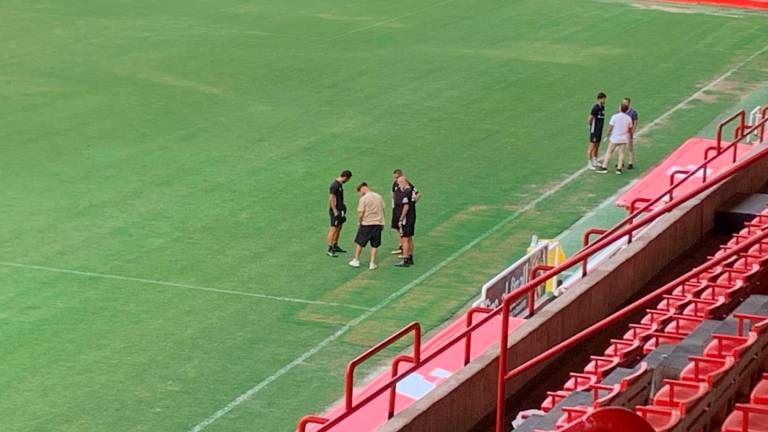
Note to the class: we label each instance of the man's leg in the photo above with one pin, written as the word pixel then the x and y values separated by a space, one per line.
pixel 336 247
pixel 399 249
pixel 631 152
pixel 607 157
pixel 332 237
pixel 372 264
pixel 410 250
pixel 406 253
pixel 591 154
pixel 620 150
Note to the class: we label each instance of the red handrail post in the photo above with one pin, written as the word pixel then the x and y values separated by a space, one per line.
pixel 468 341
pixel 393 390
pixel 705 166
pixel 589 233
pixel 532 291
pixel 741 116
pixel 672 186
pixel 308 420
pixel 585 241
pixel 414 328
pixel 501 384
pixel 635 202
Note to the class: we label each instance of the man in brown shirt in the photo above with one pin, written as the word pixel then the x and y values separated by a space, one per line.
pixel 370 211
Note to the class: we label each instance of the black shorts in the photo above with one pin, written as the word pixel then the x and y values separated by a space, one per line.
pixel 369 234
pixel 596 137
pixel 408 229
pixel 337 221
pixel 395 220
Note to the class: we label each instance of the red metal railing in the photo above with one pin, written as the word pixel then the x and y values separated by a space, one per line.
pixel 607 238
pixel 412 328
pixel 327 424
pixel 625 228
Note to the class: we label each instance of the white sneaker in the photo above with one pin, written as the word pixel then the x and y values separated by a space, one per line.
pixel 591 166
pixel 372 266
pixel 355 263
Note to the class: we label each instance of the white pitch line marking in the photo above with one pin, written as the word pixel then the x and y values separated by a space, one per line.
pixel 399 293
pixel 179 285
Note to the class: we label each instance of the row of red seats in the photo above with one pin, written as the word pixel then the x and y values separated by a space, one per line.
pixel 703 373
pixel 707 296
pixel 752 416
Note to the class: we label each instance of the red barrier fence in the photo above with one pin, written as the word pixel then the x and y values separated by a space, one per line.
pixel 625 229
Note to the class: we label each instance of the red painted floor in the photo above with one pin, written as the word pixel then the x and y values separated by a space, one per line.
pixel 687 157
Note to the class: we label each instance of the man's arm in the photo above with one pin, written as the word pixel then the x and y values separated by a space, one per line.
pixel 608 135
pixel 590 121
pixel 332 203
pixel 360 216
pixel 404 213
pixel 416 196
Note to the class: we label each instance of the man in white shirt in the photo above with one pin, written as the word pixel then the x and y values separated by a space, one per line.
pixel 619 134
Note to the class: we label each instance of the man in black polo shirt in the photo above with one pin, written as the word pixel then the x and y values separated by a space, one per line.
pixel 595 122
pixel 396 174
pixel 337 212
pixel 405 208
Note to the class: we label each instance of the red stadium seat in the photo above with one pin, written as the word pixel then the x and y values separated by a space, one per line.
pixel 759 322
pixel 602 395
pixel 579 381
pixel 706 369
pixel 703 308
pixel 655 316
pixel 552 399
pixel 640 332
pixel 627 351
pixel 662 419
pixel 673 303
pixel 657 339
pixel 571 414
pixel 689 288
pixel 682 325
pixel 747 418
pixel 675 394
pixel 723 346
pixel 759 394
pixel 601 366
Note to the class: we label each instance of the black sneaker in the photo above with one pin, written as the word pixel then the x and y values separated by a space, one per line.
pixel 331 254
pixel 403 263
pixel 630 166
pixel 336 248
pixel 601 170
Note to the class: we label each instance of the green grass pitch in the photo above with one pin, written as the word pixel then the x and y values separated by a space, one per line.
pixel 164 169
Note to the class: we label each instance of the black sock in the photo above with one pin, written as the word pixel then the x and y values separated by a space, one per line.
pixel 330 248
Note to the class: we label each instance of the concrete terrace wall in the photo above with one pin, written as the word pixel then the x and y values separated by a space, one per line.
pixel 469 396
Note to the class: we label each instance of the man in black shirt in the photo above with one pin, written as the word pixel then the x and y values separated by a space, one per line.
pixel 595 122
pixel 396 174
pixel 405 209
pixel 337 212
